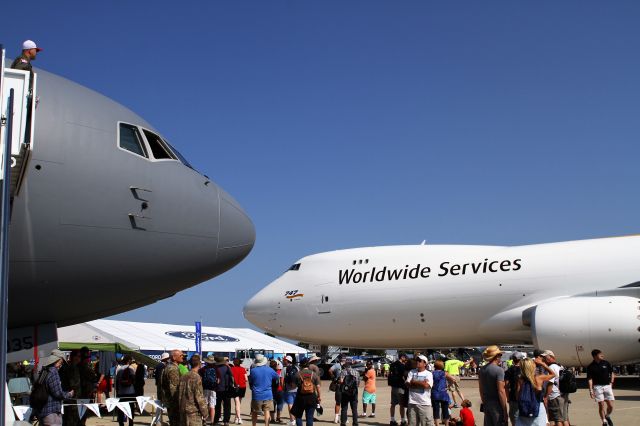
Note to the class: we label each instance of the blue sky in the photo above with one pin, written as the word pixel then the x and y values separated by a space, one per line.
pixel 339 124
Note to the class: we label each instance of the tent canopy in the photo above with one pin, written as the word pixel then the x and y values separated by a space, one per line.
pixel 152 337
pixel 81 335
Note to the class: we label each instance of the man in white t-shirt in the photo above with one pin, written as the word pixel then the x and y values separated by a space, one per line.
pixel 555 402
pixel 419 382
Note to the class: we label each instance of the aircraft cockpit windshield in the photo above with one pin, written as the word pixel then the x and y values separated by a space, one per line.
pixel 147 144
pixel 294 267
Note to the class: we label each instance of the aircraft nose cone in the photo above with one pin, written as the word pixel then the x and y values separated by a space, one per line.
pixel 237 233
pixel 258 310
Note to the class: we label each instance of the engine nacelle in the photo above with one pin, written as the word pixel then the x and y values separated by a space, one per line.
pixel 573 326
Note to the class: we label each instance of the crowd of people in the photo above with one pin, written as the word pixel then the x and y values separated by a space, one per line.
pixel 424 391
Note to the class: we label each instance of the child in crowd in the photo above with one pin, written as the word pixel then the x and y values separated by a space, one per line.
pixel 466 416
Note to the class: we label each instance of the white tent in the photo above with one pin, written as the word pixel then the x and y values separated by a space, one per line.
pixel 153 339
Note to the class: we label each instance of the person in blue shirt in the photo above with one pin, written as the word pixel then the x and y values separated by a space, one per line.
pixel 260 380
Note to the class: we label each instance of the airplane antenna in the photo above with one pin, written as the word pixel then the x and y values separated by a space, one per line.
pixel 424 242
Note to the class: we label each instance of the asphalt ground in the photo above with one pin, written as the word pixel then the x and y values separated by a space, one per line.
pixel 582 412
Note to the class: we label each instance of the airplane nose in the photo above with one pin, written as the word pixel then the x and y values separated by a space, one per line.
pixel 237 233
pixel 259 310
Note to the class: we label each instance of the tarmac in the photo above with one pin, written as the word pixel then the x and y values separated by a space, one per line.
pixel 582 411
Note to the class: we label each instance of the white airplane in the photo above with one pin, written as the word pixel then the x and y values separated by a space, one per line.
pixel 570 297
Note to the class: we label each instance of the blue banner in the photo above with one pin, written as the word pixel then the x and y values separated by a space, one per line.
pixel 198 338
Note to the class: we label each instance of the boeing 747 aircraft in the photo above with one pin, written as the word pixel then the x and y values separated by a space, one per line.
pixel 107 216
pixel 570 297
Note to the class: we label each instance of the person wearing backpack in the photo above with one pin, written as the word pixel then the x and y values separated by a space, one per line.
pixel 224 390
pixel 348 382
pixel 334 373
pixel 209 381
pixel 555 400
pixel 308 394
pixel 289 374
pixel 531 411
pixel 47 394
pixel 125 377
pixel 511 377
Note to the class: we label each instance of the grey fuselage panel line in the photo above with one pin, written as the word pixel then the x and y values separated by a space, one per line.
pixel 98 230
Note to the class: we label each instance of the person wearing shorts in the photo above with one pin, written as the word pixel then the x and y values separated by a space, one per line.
pixel 600 377
pixel 260 380
pixel 369 393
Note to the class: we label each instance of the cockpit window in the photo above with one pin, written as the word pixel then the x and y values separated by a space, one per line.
pixel 179 155
pixel 158 148
pixel 131 140
pixel 294 267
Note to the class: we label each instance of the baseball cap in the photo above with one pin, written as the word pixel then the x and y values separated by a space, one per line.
pixel 30 44
pixel 537 353
pixel 548 353
pixel 165 355
pixel 288 358
pixel 519 355
pixel 423 358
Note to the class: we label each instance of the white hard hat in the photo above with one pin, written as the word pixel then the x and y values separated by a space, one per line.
pixel 30 44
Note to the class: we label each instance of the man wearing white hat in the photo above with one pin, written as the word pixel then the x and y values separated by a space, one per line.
pixel 29 53
pixel 419 382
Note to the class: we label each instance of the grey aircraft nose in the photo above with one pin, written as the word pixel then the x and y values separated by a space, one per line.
pixel 237 233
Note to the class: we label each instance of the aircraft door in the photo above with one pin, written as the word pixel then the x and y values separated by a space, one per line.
pixel 322 306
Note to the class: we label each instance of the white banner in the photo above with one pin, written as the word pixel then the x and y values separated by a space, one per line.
pixel 125 408
pixel 111 403
pixel 142 402
pixel 95 408
pixel 23 412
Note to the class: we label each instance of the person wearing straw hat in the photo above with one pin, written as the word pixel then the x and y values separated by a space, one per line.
pixel 209 379
pixel 260 381
pixel 51 413
pixel 492 391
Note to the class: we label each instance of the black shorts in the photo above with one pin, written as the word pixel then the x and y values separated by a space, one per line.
pixel 241 392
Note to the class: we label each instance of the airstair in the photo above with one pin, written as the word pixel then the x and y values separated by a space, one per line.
pixel 17 112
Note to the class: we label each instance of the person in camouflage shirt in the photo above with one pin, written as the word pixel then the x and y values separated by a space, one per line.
pixel 169 383
pixel 193 407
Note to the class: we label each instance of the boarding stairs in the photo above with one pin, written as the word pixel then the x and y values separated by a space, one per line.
pixel 17 123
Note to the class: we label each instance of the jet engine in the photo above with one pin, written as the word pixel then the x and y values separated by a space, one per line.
pixel 571 327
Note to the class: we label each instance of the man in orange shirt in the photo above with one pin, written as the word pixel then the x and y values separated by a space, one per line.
pixel 369 394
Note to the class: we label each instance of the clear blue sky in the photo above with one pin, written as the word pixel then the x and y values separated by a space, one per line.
pixel 339 124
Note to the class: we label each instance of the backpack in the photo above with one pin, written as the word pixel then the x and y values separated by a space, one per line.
pixel 126 378
pixel 306 385
pixel 224 379
pixel 349 386
pixel 567 381
pixel 209 378
pixel 528 404
pixel 39 395
pixel 290 375
pixel 396 375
